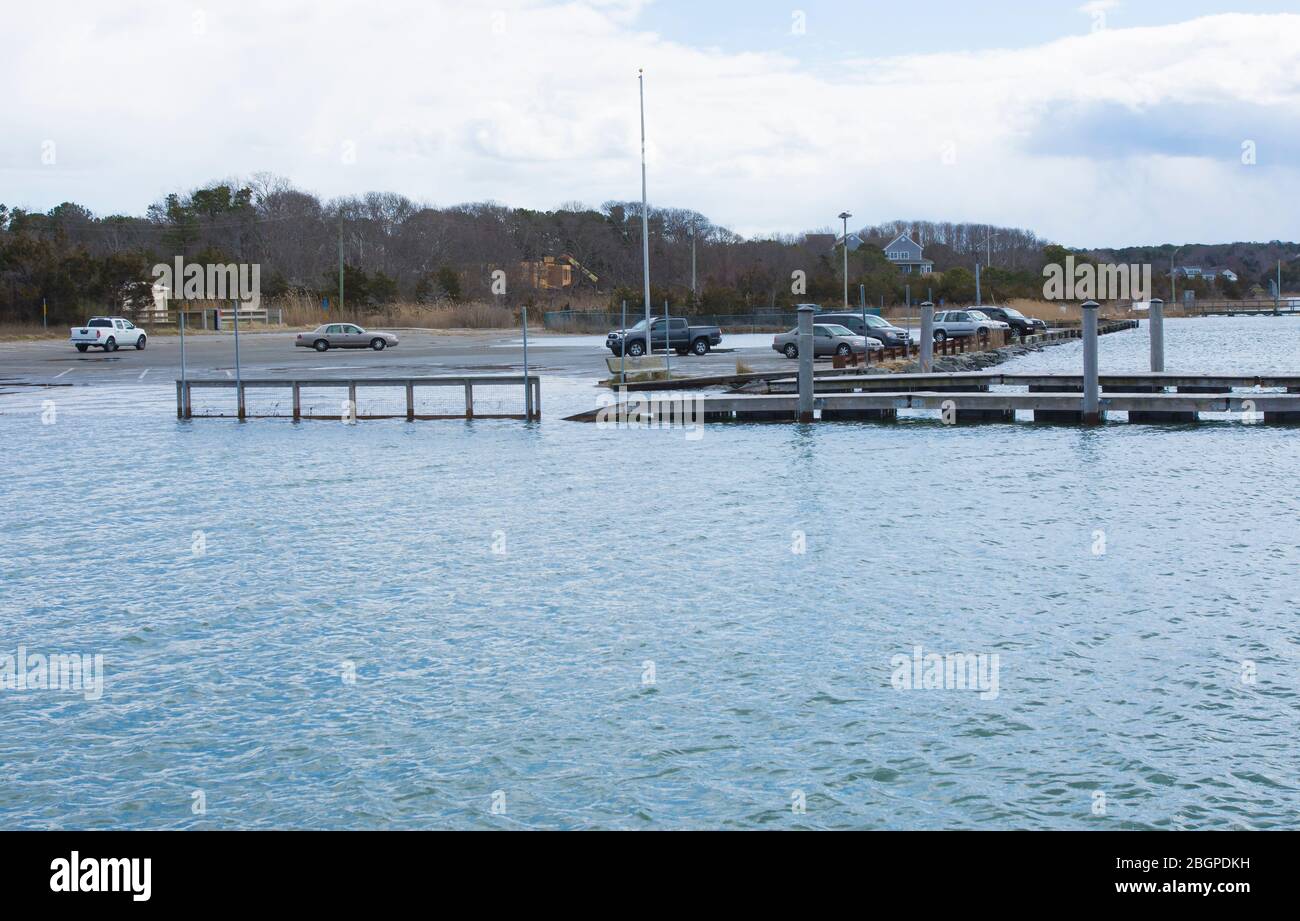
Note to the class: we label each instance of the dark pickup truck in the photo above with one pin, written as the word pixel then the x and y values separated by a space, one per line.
pixel 681 337
pixel 1021 324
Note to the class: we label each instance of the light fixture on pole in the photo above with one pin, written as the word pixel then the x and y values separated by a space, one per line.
pixel 988 244
pixel 844 216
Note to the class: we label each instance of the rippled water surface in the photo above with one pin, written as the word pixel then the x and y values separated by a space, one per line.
pixel 630 555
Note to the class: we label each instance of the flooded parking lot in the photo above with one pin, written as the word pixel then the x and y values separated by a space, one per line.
pixel 385 624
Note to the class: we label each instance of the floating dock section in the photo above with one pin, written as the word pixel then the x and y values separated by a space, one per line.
pixel 964 397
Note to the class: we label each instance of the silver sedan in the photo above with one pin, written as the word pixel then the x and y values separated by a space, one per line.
pixel 828 339
pixel 344 336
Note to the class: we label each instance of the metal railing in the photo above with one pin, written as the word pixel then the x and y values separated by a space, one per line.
pixel 348 409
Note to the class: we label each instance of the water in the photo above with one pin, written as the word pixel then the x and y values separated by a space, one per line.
pixel 523 674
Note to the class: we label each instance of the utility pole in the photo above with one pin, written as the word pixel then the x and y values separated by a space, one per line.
pixel 693 295
pixel 645 215
pixel 844 216
pixel 340 262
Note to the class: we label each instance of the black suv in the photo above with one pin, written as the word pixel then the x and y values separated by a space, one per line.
pixel 1022 324
pixel 876 327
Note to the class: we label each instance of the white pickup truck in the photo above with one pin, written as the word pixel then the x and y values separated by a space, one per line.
pixel 108 333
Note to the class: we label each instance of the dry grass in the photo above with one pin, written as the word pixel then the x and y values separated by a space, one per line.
pixel 742 368
pixel 306 312
pixel 17 332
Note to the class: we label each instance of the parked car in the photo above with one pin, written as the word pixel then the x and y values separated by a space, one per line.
pixel 344 336
pixel 680 336
pixel 1022 324
pixel 875 327
pixel 108 333
pixel 828 339
pixel 955 324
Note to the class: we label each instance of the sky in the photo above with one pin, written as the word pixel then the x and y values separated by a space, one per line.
pixel 1092 122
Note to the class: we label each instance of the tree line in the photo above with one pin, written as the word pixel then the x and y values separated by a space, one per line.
pixel 396 249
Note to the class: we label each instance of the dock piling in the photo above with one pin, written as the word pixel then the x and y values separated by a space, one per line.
pixel 1156 319
pixel 1091 381
pixel 806 350
pixel 927 337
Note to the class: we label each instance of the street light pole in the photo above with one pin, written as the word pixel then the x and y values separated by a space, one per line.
pixel 645 217
pixel 844 216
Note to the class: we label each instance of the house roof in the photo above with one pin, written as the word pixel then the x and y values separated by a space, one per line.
pixel 905 237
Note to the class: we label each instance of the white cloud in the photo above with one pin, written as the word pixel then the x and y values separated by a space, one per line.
pixel 534 104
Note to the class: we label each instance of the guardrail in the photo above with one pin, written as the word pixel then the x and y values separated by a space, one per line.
pixel 955 345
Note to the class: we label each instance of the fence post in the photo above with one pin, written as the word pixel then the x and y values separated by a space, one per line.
pixel 1157 322
pixel 410 401
pixel 180 399
pixel 297 401
pixel 469 399
pixel 1091 383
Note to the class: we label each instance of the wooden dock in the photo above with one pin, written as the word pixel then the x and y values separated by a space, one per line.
pixel 530 398
pixel 1255 307
pixel 948 347
pixel 963 397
